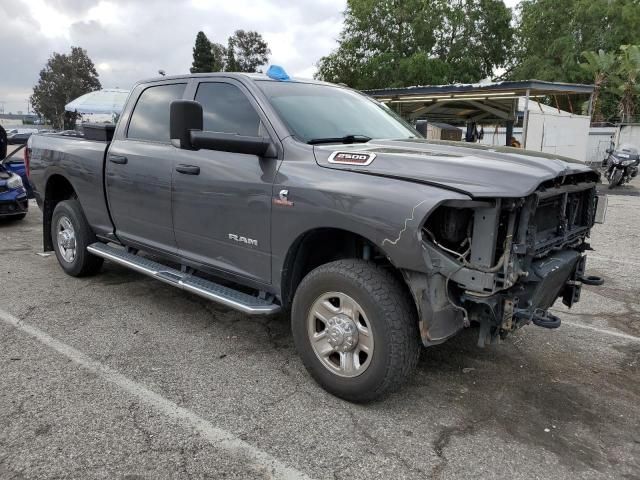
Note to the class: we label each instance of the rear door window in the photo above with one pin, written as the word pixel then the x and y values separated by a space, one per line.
pixel 150 117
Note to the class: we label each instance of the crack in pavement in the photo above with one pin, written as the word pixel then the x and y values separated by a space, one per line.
pixel 386 452
pixel 443 440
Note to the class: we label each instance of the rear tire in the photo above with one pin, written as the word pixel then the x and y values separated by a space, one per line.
pixel 384 311
pixel 71 235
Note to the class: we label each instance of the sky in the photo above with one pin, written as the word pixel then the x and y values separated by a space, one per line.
pixel 129 40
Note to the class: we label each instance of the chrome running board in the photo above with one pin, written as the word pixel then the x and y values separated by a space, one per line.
pixel 186 281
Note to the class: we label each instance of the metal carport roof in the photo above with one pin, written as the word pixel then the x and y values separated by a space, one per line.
pixel 495 102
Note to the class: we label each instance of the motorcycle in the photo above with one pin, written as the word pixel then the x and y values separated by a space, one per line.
pixel 621 165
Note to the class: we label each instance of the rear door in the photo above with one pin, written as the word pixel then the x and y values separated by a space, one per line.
pixel 139 168
pixel 222 206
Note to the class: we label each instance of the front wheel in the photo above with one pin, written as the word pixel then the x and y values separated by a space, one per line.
pixel 71 235
pixel 615 178
pixel 355 329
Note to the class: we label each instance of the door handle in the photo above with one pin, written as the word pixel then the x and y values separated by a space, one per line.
pixel 188 169
pixel 118 159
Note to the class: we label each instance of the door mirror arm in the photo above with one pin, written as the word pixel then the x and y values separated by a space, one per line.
pixel 230 142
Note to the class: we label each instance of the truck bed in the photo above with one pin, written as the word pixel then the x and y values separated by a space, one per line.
pixel 82 161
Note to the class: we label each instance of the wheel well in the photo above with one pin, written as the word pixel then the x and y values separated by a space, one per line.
pixel 58 189
pixel 324 245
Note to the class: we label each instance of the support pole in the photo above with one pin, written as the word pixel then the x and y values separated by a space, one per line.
pixel 509 133
pixel 525 120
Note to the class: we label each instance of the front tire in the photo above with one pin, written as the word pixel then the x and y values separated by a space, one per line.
pixel 355 328
pixel 71 235
pixel 615 178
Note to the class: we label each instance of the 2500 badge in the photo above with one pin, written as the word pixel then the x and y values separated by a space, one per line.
pixel 356 158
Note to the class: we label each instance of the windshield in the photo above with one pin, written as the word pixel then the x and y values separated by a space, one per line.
pixel 315 112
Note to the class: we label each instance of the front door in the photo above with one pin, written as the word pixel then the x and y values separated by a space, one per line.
pixel 139 168
pixel 221 200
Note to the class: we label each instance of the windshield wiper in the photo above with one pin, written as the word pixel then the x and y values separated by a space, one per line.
pixel 345 139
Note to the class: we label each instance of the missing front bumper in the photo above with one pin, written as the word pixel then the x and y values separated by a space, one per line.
pixel 444 309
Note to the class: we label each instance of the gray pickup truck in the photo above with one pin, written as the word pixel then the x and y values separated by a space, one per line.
pixel 313 199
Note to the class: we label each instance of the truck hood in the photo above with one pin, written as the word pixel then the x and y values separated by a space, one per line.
pixel 472 169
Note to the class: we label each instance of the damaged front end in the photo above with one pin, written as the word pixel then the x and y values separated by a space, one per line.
pixel 503 262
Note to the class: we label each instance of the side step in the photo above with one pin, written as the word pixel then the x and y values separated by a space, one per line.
pixel 218 293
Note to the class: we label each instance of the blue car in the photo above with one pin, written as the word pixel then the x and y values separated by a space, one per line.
pixel 15 163
pixel 14 201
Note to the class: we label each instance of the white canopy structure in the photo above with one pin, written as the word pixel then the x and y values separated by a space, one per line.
pixel 106 101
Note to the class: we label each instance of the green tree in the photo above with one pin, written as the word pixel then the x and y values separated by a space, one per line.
pixel 219 53
pixel 409 42
pixel 64 78
pixel 203 57
pixel 629 71
pixel 246 52
pixel 601 67
pixel 552 35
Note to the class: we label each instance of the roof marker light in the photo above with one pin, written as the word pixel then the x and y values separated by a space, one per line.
pixel 276 72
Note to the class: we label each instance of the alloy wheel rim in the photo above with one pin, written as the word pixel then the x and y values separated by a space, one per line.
pixel 340 334
pixel 66 239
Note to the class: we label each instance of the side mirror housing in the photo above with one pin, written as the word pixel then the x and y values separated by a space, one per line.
pixel 609 151
pixel 230 142
pixel 184 116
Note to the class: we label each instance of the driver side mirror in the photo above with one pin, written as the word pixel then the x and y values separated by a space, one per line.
pixel 609 151
pixel 186 132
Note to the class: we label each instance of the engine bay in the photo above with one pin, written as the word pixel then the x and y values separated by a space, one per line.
pixel 503 262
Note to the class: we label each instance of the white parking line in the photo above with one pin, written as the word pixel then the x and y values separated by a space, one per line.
pixel 221 439
pixel 602 330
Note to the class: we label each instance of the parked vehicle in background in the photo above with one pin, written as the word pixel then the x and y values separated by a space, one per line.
pixel 621 165
pixel 13 196
pixel 64 133
pixel 20 135
pixel 14 162
pixel 312 198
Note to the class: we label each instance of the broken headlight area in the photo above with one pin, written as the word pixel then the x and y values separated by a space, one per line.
pixel 504 262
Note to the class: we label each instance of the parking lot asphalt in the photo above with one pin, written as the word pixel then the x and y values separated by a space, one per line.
pixel 120 376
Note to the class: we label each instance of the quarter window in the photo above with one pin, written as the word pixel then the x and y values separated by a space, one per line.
pixel 227 110
pixel 150 118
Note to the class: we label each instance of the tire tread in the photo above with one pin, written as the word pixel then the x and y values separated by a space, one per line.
pixel 398 312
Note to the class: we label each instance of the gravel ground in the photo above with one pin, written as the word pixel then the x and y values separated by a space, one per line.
pixel 120 376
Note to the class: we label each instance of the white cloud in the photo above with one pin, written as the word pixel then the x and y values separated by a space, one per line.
pixel 129 40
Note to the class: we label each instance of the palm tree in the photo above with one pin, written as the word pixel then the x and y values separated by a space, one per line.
pixel 629 71
pixel 601 66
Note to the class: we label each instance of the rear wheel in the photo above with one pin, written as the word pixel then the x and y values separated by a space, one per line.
pixel 71 236
pixel 355 329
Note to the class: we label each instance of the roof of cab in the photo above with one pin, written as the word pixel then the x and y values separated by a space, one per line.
pixel 251 76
